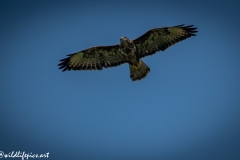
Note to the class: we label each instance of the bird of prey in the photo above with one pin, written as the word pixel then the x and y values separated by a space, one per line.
pixel 128 51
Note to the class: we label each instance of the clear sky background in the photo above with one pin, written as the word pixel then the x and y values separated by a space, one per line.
pixel 188 107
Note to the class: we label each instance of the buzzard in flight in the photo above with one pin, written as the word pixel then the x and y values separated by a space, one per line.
pixel 128 51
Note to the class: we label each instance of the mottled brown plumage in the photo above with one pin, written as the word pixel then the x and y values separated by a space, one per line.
pixel 128 51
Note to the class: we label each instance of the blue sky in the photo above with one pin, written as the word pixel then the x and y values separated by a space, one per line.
pixel 186 108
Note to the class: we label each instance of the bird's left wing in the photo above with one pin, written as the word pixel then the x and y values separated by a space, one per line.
pixel 161 38
pixel 94 58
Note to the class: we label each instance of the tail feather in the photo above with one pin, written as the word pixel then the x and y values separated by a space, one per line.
pixel 139 72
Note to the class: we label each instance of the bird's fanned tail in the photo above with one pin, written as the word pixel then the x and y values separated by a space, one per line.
pixel 138 72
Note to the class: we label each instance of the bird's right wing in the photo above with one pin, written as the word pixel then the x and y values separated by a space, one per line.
pixel 94 58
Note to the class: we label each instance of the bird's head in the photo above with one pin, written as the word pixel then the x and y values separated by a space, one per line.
pixel 125 42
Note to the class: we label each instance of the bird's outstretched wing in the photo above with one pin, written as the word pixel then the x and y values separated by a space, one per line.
pixel 161 38
pixel 94 58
